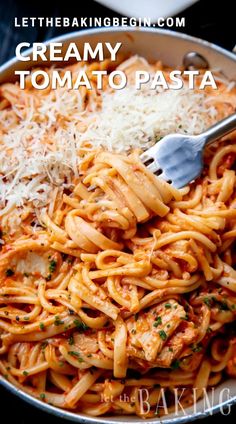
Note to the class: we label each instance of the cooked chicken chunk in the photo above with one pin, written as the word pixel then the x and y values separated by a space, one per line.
pixel 152 335
pixel 185 334
pixel 86 343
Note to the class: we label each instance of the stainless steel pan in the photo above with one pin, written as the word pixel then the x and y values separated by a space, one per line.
pixel 170 47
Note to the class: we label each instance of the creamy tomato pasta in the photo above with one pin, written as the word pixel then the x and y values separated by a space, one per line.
pixel 113 281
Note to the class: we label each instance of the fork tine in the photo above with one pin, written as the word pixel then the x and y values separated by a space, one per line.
pixel 146 156
pixel 164 176
pixel 153 167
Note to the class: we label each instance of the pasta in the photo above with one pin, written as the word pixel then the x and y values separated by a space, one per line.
pixel 112 281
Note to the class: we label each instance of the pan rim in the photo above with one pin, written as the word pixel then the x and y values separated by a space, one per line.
pixel 176 35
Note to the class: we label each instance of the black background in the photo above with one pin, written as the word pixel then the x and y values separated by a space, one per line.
pixel 212 20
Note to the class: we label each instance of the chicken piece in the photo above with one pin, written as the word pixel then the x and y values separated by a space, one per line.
pixel 152 329
pixel 32 263
pixel 86 343
pixel 185 335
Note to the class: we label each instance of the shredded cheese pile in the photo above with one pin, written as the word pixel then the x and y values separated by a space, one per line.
pixel 133 118
pixel 39 152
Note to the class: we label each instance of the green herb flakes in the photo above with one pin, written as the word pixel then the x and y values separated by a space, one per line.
pixel 163 335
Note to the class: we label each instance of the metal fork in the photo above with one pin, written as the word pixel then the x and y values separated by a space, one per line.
pixel 177 158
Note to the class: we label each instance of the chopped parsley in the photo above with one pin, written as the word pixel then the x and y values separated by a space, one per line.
pixel 25 373
pixel 76 354
pixel 196 348
pixel 207 301
pixel 185 318
pixel 223 306
pixel 42 396
pixel 80 325
pixel 44 345
pixel 163 335
pixel 52 266
pixel 58 321
pixel 41 326
pixel 175 364
pixel 168 306
pixel 71 340
pixel 157 322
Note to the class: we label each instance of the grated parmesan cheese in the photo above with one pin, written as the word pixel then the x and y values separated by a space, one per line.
pixel 131 118
pixel 31 168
